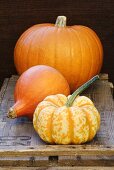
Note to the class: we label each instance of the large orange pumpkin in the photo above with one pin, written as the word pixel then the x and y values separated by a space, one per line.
pixel 75 51
pixel 33 86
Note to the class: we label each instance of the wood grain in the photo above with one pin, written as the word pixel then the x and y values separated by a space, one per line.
pixel 57 150
pixel 41 162
pixel 57 168
pixel 21 146
pixel 16 16
pixel 2 91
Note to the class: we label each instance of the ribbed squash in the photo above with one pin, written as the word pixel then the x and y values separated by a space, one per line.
pixel 67 120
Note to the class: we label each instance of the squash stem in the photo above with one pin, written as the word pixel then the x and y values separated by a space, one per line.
pixel 61 21
pixel 80 90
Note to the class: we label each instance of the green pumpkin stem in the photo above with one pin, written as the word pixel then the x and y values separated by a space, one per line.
pixel 61 21
pixel 80 90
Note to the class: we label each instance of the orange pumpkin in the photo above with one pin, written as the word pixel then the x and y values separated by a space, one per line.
pixel 75 51
pixel 33 86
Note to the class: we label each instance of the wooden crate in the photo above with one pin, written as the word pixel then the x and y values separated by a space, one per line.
pixel 21 146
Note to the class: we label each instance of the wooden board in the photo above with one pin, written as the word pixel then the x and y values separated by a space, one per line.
pixel 57 168
pixel 21 146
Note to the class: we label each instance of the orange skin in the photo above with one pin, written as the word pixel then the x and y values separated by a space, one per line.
pixel 34 85
pixel 75 51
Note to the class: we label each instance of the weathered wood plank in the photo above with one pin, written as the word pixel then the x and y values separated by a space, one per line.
pixel 67 163
pixel 60 161
pixel 103 76
pixel 3 89
pixel 25 161
pixel 18 138
pixel 57 150
pixel 86 160
pixel 58 168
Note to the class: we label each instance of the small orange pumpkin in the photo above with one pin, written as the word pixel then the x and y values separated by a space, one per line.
pixel 59 121
pixel 75 51
pixel 33 86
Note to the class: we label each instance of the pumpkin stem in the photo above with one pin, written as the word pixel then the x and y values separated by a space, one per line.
pixel 61 21
pixel 80 90
pixel 11 113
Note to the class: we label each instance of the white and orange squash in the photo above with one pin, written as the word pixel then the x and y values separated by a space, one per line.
pixel 67 120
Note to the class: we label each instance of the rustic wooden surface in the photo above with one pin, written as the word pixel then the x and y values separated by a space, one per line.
pixel 21 146
pixel 18 15
pixel 57 168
